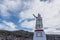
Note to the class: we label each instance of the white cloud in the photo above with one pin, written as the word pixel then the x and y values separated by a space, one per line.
pixel 52 31
pixel 2 26
pixel 3 10
pixel 28 24
pixel 10 5
pixel 49 11
pixel 13 5
pixel 11 26
pixel 26 14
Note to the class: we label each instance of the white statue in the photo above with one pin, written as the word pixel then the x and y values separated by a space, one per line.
pixel 39 33
pixel 38 21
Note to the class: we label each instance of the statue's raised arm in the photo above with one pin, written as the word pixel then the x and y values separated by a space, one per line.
pixel 39 16
pixel 34 16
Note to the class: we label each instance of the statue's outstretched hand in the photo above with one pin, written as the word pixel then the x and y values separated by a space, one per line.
pixel 34 15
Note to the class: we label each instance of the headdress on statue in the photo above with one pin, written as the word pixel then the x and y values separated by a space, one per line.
pixel 39 15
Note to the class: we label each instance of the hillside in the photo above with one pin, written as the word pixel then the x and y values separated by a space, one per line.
pixel 23 35
pixel 19 33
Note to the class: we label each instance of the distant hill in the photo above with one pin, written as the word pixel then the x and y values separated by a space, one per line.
pixel 17 33
pixel 23 35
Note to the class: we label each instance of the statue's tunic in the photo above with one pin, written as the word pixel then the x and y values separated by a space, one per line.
pixel 39 23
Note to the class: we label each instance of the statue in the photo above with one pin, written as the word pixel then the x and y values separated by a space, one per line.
pixel 38 21
pixel 39 33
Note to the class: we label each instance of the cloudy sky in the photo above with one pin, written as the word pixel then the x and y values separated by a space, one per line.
pixel 17 15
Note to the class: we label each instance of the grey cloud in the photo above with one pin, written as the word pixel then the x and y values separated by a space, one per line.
pixel 46 1
pixel 1 1
pixel 16 7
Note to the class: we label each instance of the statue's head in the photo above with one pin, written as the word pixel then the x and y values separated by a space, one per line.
pixel 39 15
